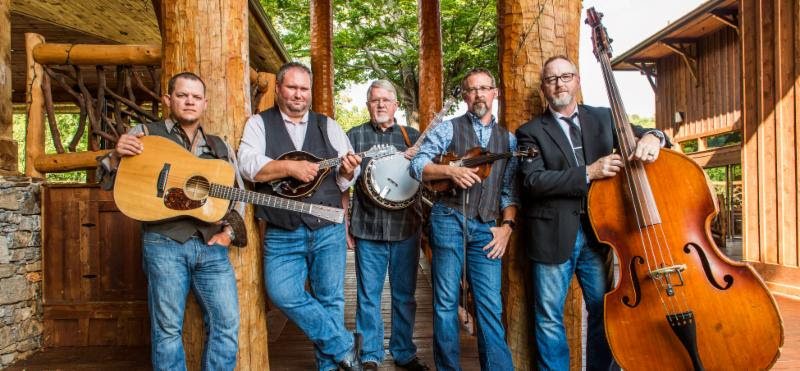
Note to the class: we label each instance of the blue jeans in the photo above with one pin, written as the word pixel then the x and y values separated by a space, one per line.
pixel 171 269
pixel 372 260
pixel 484 277
pixel 551 282
pixel 291 257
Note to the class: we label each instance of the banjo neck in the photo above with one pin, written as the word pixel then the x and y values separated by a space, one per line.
pixel 439 118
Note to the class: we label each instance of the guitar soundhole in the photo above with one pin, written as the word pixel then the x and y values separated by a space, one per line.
pixel 196 188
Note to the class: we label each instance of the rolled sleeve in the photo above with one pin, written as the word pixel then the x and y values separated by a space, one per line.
pixel 435 143
pixel 252 148
pixel 342 145
pixel 509 195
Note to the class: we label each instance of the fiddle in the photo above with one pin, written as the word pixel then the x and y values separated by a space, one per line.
pixel 474 158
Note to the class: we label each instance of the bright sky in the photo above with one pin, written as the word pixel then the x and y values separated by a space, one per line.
pixel 628 22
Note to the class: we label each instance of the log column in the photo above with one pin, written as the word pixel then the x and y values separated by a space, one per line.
pixel 34 101
pixel 322 56
pixel 210 38
pixel 430 61
pixel 8 146
pixel 530 31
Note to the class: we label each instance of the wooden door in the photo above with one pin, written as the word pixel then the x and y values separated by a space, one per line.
pixel 95 292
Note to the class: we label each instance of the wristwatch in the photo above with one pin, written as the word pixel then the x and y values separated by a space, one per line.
pixel 231 233
pixel 509 222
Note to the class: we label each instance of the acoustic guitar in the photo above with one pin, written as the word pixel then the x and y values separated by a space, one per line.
pixel 166 181
pixel 293 188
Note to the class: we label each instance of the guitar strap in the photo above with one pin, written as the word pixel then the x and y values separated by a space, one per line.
pixel 405 135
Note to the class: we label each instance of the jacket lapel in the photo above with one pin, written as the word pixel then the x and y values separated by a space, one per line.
pixel 590 130
pixel 553 129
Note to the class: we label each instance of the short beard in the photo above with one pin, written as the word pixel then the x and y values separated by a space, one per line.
pixel 562 102
pixel 382 119
pixel 480 109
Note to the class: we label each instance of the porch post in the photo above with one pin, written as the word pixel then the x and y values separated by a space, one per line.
pixel 8 146
pixel 430 61
pixel 322 56
pixel 210 38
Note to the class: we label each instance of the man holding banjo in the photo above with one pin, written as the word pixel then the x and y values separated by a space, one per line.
pixel 385 235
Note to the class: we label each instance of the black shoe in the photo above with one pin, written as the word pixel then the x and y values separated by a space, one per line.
pixel 414 365
pixel 352 361
pixel 370 366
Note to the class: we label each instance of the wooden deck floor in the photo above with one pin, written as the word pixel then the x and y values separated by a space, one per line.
pixel 293 351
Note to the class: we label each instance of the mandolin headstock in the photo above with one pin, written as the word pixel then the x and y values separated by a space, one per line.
pixel 601 44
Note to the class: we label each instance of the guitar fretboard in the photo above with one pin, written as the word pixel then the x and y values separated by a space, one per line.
pixel 324 164
pixel 243 195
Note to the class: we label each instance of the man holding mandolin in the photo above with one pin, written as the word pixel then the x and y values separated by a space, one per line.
pixel 575 144
pixel 299 246
pixel 464 234
pixel 185 253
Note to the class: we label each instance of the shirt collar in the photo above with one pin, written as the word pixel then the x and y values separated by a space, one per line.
pixel 477 120
pixel 171 124
pixel 287 119
pixel 558 116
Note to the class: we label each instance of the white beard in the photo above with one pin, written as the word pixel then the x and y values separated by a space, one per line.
pixel 480 109
pixel 382 119
pixel 562 102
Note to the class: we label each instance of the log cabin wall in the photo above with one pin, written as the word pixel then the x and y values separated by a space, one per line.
pixel 711 104
pixel 770 31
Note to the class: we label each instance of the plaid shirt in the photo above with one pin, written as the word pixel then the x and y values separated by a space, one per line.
pixel 369 221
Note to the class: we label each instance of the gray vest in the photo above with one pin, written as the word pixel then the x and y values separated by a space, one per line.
pixel 182 229
pixel 316 143
pixel 484 197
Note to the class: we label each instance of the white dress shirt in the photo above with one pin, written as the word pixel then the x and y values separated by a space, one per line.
pixel 253 147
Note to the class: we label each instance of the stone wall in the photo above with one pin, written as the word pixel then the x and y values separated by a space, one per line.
pixel 20 269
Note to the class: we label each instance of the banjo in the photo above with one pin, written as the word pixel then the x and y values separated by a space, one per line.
pixel 387 180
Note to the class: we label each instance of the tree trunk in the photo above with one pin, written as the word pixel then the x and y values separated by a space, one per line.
pixel 529 32
pixel 8 146
pixel 210 38
pixel 322 56
pixel 430 61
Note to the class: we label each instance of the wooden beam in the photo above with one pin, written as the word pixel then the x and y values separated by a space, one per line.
pixel 687 49
pixel 649 70
pixel 266 89
pixel 529 32
pixel 322 56
pixel 69 161
pixel 190 43
pixel 728 17
pixel 34 99
pixel 719 156
pixel 430 61
pixel 86 54
pixel 8 146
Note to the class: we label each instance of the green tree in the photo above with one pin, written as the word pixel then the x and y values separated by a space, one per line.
pixel 380 40
pixel 646 122
pixel 67 126
pixel 349 117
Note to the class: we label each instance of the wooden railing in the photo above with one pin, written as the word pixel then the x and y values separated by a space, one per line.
pixel 105 112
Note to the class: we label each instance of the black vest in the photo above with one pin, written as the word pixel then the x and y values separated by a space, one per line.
pixel 182 229
pixel 484 197
pixel 316 143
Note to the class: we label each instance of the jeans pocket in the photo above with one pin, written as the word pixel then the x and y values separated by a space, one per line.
pixel 441 210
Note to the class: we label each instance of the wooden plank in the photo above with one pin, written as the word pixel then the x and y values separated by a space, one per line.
pixel 34 134
pixel 430 61
pixel 767 134
pixel 720 156
pixel 796 119
pixel 322 55
pixel 751 248
pixel 8 146
pixel 69 161
pixel 785 151
pixel 83 54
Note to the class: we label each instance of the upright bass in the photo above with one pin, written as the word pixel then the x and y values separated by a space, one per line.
pixel 679 303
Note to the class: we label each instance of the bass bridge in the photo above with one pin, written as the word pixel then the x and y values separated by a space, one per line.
pixel 669 277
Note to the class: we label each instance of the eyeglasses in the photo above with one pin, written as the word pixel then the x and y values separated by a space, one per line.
pixel 551 80
pixel 382 101
pixel 482 89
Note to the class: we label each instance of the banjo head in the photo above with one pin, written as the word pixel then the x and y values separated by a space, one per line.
pixel 389 178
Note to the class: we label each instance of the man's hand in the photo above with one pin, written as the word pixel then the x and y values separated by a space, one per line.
pixel 349 164
pixel 128 145
pixel 303 171
pixel 464 177
pixel 411 152
pixel 647 148
pixel 605 167
pixel 499 242
pixel 221 238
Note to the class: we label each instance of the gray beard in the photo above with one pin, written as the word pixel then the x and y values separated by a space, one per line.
pixel 561 102
pixel 382 119
pixel 480 110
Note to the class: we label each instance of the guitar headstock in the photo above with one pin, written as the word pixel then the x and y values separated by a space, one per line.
pixel 524 151
pixel 601 44
pixel 380 150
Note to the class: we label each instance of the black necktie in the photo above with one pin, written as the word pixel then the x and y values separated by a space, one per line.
pixel 577 140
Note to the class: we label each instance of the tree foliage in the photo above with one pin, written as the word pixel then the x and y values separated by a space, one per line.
pixel 380 40
pixel 67 126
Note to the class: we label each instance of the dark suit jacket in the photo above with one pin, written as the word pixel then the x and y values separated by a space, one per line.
pixel 553 187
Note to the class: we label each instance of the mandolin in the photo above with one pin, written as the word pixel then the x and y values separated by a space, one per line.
pixel 475 157
pixel 294 188
pixel 166 181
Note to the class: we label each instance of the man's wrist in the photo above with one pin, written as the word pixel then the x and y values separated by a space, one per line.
pixel 508 222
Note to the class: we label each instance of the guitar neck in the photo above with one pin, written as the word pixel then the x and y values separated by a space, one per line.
pixel 332 162
pixel 235 194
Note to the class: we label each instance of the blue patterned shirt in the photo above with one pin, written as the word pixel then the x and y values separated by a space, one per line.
pixel 438 140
